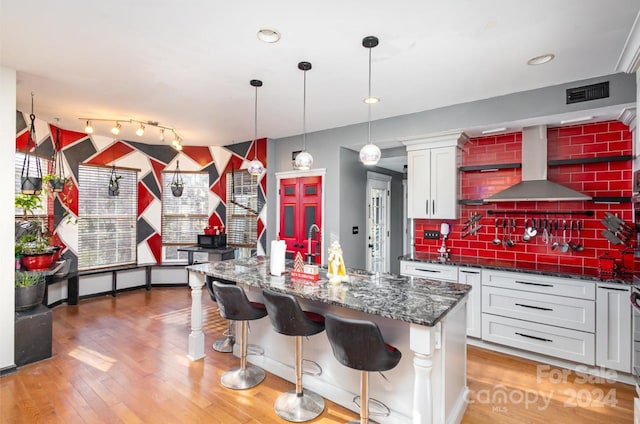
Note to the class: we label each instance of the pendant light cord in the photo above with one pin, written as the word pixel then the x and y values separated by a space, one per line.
pixel 369 100
pixel 255 126
pixel 304 112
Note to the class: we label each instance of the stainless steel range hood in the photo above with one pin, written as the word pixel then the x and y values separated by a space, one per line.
pixel 534 185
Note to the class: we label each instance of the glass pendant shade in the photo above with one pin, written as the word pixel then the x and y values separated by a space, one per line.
pixel 370 154
pixel 304 160
pixel 255 167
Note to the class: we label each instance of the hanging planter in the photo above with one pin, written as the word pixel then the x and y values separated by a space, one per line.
pixel 177 183
pixel 30 183
pixel 56 180
pixel 114 183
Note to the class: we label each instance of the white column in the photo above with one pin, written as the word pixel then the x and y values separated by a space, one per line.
pixel 196 337
pixel 7 264
pixel 423 342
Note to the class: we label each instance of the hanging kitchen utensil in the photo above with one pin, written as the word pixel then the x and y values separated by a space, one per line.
pixel 472 231
pixel 496 241
pixel 533 229
pixel 572 245
pixel 512 231
pixel 579 247
pixel 545 233
pixel 504 231
pixel 525 234
pixel 555 243
pixel 565 246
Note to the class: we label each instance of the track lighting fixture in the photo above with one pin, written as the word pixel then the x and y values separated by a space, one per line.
pixel 142 126
pixel 116 129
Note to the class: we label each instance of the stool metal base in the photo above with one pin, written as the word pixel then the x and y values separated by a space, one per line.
pixel 239 379
pixel 224 345
pixel 297 409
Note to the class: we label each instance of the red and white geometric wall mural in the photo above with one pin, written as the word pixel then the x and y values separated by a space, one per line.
pixel 80 148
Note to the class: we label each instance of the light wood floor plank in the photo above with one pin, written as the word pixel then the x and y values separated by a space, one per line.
pixel 123 360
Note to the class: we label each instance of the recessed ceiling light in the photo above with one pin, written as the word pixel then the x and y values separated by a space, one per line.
pixel 573 120
pixel 371 100
pixel 494 130
pixel 540 60
pixel 268 35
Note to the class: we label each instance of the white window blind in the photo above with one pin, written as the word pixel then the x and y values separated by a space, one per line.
pixel 106 224
pixel 184 217
pixel 44 164
pixel 243 207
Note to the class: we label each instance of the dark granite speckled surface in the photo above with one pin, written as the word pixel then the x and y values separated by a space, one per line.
pixel 564 271
pixel 415 300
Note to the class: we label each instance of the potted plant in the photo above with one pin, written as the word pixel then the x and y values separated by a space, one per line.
pixel 29 289
pixel 55 183
pixel 177 188
pixel 32 246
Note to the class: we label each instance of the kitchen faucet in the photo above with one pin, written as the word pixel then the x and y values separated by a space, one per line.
pixel 309 235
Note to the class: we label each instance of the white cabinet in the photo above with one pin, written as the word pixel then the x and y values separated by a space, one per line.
pixel 613 327
pixel 472 277
pixel 427 270
pixel 432 175
pixel 547 315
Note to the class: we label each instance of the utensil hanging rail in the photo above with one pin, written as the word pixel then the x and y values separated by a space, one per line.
pixel 516 212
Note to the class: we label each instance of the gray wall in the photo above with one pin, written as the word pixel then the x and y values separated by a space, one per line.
pixel 325 146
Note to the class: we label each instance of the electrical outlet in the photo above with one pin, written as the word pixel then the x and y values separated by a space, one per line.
pixel 431 234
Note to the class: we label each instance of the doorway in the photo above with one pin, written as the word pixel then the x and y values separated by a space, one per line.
pixel 300 207
pixel 378 222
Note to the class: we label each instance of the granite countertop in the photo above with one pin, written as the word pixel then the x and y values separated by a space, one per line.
pixel 415 300
pixel 564 271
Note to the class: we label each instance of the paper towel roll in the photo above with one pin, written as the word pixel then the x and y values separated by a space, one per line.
pixel 278 248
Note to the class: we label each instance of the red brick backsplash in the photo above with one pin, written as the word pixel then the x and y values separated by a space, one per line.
pixel 605 179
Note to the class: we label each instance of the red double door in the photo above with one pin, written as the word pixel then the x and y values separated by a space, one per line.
pixel 301 207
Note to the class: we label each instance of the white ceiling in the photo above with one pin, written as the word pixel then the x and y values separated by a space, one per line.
pixel 187 64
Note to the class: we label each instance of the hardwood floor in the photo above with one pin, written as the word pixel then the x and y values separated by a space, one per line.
pixel 122 360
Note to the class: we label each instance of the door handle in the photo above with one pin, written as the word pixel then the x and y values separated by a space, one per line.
pixel 433 203
pixel 371 246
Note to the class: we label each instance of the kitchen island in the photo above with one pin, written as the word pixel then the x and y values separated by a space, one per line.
pixel 424 319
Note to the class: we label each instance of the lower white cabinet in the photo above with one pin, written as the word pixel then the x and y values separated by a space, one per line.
pixel 613 327
pixel 562 343
pixel 429 270
pixel 472 277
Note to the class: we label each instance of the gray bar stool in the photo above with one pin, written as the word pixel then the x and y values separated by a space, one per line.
pixel 225 344
pixel 234 305
pixel 289 319
pixel 358 344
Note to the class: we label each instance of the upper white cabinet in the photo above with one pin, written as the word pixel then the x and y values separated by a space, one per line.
pixel 432 173
pixel 613 327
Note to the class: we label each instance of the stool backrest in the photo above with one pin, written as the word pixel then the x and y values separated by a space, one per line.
pixel 234 304
pixel 286 315
pixel 358 344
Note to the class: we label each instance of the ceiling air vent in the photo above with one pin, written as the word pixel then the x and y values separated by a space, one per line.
pixel 588 92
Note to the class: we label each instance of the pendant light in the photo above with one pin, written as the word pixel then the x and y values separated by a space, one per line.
pixel 255 166
pixel 304 160
pixel 370 153
pixel 29 183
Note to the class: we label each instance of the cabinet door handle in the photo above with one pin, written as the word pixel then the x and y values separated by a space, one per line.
pixel 433 203
pixel 427 270
pixel 469 272
pixel 534 307
pixel 534 337
pixel 613 288
pixel 426 207
pixel 534 284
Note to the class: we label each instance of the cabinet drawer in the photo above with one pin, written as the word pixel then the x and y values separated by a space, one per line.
pixel 540 284
pixel 577 314
pixel 544 339
pixel 426 270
